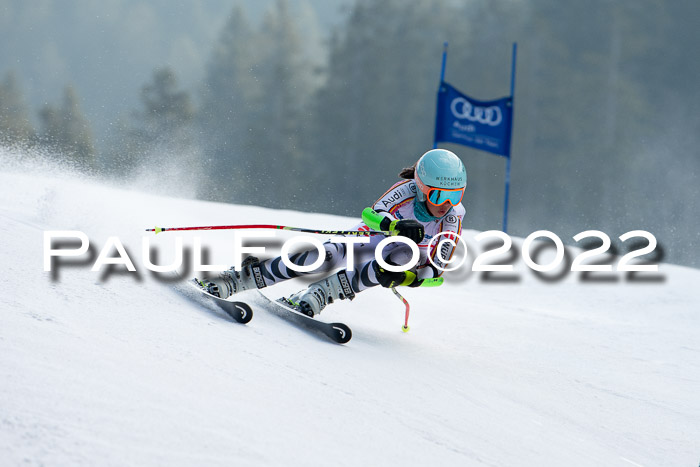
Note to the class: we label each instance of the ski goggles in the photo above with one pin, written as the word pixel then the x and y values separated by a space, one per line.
pixel 440 196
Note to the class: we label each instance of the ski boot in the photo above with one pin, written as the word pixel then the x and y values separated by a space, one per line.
pixel 231 281
pixel 315 297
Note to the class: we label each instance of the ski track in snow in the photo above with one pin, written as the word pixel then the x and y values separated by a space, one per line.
pixel 123 368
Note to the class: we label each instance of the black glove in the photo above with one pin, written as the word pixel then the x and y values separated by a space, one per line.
pixel 416 282
pixel 392 279
pixel 409 228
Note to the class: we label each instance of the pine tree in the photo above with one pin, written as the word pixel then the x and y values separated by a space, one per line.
pixel 67 132
pixel 161 132
pixel 286 80
pixel 167 112
pixel 15 127
pixel 226 113
pixel 376 109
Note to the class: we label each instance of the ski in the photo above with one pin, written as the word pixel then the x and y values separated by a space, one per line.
pixel 337 332
pixel 239 311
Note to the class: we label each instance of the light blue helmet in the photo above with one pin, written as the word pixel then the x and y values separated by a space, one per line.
pixel 441 169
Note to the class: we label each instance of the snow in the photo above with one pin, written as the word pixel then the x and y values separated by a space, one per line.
pixel 115 368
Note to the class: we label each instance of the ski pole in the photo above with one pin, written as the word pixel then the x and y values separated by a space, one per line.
pixel 355 233
pixel 431 282
pixel 405 327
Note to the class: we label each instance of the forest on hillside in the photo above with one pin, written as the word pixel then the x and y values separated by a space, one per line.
pixel 606 125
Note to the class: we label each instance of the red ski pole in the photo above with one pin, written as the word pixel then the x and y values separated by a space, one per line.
pixel 356 233
pixel 405 327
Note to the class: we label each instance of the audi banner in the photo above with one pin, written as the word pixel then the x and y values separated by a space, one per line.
pixel 482 125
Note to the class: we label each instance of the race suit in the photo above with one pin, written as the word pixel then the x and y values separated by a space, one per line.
pixel 397 203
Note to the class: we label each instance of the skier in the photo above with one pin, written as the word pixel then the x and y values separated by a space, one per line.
pixel 424 204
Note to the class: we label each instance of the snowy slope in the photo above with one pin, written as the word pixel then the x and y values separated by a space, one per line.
pixel 121 368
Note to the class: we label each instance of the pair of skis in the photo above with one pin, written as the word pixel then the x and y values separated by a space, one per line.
pixel 338 332
pixel 243 313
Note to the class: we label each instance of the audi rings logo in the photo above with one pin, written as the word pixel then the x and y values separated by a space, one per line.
pixel 462 108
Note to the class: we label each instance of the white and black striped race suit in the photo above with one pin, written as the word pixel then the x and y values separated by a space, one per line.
pixel 397 203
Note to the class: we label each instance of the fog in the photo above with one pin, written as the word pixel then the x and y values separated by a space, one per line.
pixel 317 105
